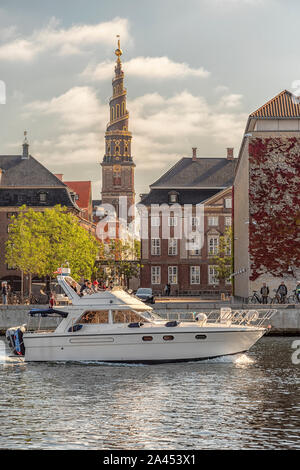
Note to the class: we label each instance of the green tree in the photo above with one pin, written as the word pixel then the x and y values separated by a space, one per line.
pixel 223 260
pixel 40 242
pixel 122 258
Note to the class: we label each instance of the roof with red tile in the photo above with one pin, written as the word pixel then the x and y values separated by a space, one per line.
pixel 283 105
pixel 84 191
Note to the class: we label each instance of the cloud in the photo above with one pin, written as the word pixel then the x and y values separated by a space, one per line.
pixel 164 129
pixel 73 40
pixel 77 109
pixel 145 67
pixel 231 101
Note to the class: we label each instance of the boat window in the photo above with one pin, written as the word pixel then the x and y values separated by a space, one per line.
pixel 200 336
pixel 147 338
pixel 126 316
pixel 168 337
pixel 94 316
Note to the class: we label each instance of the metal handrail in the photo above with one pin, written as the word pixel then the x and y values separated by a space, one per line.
pixel 247 317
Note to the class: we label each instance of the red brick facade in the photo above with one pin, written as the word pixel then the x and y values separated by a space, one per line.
pixel 187 271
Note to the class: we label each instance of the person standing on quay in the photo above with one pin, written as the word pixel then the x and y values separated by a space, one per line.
pixel 4 293
pixel 264 293
pixel 282 292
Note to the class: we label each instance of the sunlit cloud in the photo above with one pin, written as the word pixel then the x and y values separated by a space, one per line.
pixel 145 67
pixel 70 41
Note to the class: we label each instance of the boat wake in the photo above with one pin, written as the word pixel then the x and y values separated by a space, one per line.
pixel 239 359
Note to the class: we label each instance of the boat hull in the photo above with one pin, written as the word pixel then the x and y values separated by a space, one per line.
pixel 131 347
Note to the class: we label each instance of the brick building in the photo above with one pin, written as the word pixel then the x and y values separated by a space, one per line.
pixel 267 198
pixel 24 180
pixel 194 193
pixel 82 191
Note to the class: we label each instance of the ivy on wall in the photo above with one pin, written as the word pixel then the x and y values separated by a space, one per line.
pixel 274 204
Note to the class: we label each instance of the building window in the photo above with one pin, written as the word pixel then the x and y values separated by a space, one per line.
pixel 172 221
pixel 123 108
pixel 213 221
pixel 172 275
pixel 155 221
pixel 195 221
pixel 212 275
pixel 195 247
pixel 228 221
pixel 172 246
pixel 195 274
pixel 173 198
pixel 117 110
pixel 155 246
pixel 10 267
pixel 155 274
pixel 43 197
pixel 213 245
pixel 228 203
pixel 117 175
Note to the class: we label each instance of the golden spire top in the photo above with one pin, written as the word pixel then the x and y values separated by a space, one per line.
pixel 118 51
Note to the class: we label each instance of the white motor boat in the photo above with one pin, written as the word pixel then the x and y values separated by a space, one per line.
pixel 114 326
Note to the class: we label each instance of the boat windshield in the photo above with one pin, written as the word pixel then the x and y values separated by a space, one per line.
pixel 149 315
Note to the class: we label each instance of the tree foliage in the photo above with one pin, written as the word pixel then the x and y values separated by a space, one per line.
pixel 121 258
pixel 223 260
pixel 40 242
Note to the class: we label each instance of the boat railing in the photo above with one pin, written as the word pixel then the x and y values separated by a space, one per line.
pixel 247 317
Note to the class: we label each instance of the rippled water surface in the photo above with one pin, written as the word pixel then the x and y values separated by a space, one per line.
pixel 246 402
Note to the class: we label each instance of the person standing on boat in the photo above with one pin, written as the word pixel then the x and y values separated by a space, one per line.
pixel 4 293
pixel 52 300
pixel 95 285
pixel 264 293
pixel 84 286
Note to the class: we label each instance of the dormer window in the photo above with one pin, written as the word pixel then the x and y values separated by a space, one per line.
pixel 173 197
pixel 43 197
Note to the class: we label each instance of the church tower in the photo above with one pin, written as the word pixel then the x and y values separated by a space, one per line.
pixel 117 164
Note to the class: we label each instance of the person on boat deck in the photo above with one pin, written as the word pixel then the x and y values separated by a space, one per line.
pixel 84 286
pixel 52 300
pixel 89 289
pixel 264 293
pixel 74 286
pixel 95 285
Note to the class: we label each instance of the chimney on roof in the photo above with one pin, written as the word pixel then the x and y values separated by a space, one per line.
pixel 194 158
pixel 25 154
pixel 59 176
pixel 230 153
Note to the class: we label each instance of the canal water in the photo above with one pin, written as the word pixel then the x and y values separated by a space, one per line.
pixel 247 402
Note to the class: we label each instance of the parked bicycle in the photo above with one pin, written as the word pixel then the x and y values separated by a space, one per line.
pixel 294 298
pixel 279 299
pixel 255 298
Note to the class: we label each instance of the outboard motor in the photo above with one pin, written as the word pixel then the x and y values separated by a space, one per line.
pixel 14 337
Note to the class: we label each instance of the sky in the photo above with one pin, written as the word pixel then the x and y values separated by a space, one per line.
pixel 194 71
